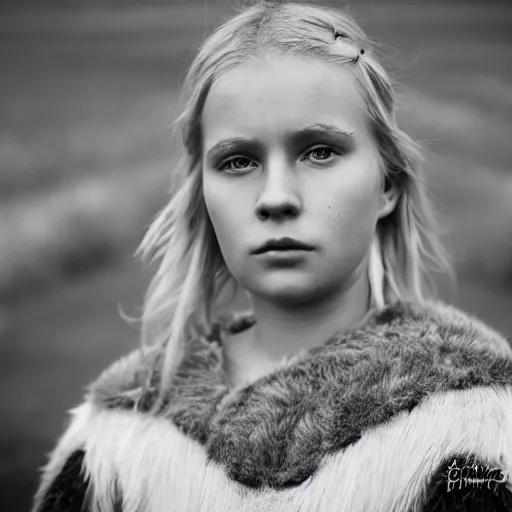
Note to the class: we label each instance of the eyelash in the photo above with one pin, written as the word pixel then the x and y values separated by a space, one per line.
pixel 223 166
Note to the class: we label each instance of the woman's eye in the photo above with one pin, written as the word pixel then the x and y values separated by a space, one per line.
pixel 320 153
pixel 240 163
pixel 235 164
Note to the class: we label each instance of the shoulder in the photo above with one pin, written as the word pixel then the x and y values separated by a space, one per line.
pixel 129 382
pixel 66 482
pixel 459 444
pixel 457 436
pixel 86 460
pixel 132 382
pixel 438 320
pixel 70 478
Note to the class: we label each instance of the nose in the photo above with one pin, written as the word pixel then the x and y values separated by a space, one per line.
pixel 279 196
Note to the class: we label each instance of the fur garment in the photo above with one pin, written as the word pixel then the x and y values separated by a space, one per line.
pixel 409 412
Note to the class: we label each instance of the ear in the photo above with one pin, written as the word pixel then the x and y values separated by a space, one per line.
pixel 389 198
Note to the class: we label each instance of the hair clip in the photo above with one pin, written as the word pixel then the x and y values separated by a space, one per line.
pixel 341 35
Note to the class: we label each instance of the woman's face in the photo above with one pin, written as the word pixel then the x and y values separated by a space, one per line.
pixel 287 152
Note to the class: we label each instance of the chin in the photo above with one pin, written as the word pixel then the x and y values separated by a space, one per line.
pixel 290 292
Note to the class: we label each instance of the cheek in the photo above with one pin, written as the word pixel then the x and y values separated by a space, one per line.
pixel 222 210
pixel 216 211
pixel 353 211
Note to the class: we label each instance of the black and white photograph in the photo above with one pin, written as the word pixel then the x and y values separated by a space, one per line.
pixel 256 255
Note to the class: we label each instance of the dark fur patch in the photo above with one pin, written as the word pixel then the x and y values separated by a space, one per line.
pixel 68 491
pixel 276 431
pixel 466 484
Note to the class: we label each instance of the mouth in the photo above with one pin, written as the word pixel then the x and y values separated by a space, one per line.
pixel 283 245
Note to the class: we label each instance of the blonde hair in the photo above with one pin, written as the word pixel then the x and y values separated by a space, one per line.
pixel 192 272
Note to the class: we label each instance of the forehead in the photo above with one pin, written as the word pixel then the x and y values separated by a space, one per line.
pixel 282 93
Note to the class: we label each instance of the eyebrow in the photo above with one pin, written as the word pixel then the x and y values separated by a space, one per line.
pixel 328 130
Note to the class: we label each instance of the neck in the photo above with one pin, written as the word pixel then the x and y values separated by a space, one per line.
pixel 283 332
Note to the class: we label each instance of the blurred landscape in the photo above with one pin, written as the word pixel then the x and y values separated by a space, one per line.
pixel 87 96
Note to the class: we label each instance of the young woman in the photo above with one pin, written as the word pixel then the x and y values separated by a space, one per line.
pixel 343 387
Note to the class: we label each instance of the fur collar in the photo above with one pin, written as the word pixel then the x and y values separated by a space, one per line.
pixel 276 431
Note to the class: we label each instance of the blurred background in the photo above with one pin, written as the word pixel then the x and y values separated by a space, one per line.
pixel 88 90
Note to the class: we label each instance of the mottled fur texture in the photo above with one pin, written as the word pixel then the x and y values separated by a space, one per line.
pixel 418 383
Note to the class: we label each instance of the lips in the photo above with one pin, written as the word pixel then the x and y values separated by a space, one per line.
pixel 283 244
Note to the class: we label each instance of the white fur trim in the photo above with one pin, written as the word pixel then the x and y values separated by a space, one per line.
pixel 413 445
pixel 160 469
